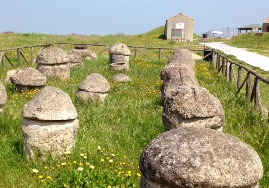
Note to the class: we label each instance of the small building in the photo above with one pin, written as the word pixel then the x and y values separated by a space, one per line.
pixel 265 25
pixel 251 28
pixel 179 27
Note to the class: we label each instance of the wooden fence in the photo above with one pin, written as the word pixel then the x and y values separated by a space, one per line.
pixel 243 77
pixel 26 54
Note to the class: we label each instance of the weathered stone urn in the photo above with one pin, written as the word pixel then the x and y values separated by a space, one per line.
pixel 75 61
pixel 53 62
pixel 50 124
pixel 84 52
pixel 175 75
pixel 3 97
pixel 194 157
pixel 178 72
pixel 119 55
pixel 28 78
pixel 94 88
pixel 193 106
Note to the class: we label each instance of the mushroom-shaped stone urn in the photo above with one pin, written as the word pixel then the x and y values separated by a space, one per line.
pixel 194 157
pixel 50 124
pixel 94 88
pixel 119 55
pixel 28 78
pixel 192 106
pixel 84 52
pixel 54 62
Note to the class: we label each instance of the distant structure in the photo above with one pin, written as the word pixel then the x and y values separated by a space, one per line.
pixel 251 28
pixel 265 25
pixel 179 27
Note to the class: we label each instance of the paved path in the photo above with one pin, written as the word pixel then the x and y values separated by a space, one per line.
pixel 250 58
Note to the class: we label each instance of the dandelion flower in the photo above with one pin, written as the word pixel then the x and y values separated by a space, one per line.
pixel 49 177
pixel 111 161
pixel 40 176
pixel 35 170
pixel 102 160
pixel 98 147
pixel 113 155
pixel 75 162
pixel 139 175
pixel 63 164
pixel 92 167
pixel 80 168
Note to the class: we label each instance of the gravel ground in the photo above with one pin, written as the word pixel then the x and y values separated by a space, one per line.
pixel 250 58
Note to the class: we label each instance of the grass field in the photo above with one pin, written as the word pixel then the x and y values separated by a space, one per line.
pixel 113 135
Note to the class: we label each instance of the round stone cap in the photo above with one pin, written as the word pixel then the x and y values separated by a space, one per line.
pixel 119 49
pixel 95 83
pixel 195 157
pixel 50 103
pixel 28 77
pixel 52 55
pixel 192 102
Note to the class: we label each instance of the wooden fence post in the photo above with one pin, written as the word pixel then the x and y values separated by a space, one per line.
pixel 256 96
pixel 135 52
pixel 223 66
pixel 19 56
pixel 248 86
pixel 2 59
pixel 231 72
pixel 239 78
pixel 227 69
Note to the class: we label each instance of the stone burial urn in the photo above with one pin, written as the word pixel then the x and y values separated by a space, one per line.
pixel 119 55
pixel 193 157
pixel 28 79
pixel 94 88
pixel 53 62
pixel 50 124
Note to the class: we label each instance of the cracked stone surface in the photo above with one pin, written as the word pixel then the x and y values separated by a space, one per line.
pixel 192 106
pixel 195 157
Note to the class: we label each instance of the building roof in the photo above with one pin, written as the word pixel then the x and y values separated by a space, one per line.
pixel 181 14
pixel 251 26
pixel 267 20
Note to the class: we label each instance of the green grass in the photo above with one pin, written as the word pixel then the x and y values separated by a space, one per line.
pixel 241 119
pixel 252 43
pixel 120 128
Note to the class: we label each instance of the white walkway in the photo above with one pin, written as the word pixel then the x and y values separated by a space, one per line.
pixel 250 58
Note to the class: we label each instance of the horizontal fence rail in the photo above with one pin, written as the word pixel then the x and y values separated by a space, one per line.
pixel 27 54
pixel 243 77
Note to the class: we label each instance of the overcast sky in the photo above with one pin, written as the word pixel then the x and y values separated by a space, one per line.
pixel 125 16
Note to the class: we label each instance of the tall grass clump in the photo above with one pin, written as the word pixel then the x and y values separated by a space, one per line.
pixel 242 120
